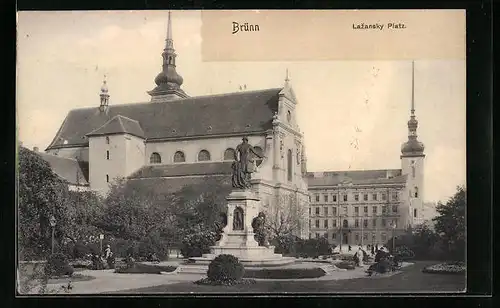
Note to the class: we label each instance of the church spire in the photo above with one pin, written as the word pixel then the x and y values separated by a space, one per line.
pixel 104 95
pixel 412 146
pixel 168 81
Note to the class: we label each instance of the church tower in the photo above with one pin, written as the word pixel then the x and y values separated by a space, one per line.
pixel 104 95
pixel 168 81
pixel 412 163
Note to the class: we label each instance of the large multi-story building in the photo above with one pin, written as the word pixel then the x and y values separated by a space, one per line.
pixel 370 206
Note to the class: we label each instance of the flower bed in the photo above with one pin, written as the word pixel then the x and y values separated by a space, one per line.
pixel 455 268
pixel 290 273
pixel 139 268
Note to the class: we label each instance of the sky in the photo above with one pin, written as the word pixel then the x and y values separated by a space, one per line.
pixel 63 56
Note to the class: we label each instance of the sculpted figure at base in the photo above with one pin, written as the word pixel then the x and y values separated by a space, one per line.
pixel 238 219
pixel 258 225
pixel 243 165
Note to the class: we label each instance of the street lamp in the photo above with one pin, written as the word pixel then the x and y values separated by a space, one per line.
pixel 101 237
pixel 393 230
pixel 52 222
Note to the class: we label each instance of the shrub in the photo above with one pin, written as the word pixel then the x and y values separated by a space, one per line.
pixel 196 244
pixel 286 244
pixel 81 263
pixel 349 265
pixel 225 268
pixel 58 265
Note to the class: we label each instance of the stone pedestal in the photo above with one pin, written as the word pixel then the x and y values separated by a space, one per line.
pixel 238 239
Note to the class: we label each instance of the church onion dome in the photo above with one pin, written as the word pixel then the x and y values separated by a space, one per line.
pixel 412 146
pixel 169 77
pixel 412 123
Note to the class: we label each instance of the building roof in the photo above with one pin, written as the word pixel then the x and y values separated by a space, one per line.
pixel 183 169
pixel 165 186
pixel 70 170
pixel 355 177
pixel 119 124
pixel 232 113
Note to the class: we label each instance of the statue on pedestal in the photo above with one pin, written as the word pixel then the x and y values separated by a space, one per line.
pixel 258 225
pixel 243 165
pixel 238 219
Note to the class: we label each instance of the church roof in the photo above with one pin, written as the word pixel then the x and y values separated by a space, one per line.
pixel 119 124
pixel 355 177
pixel 183 169
pixel 70 170
pixel 233 113
pixel 166 179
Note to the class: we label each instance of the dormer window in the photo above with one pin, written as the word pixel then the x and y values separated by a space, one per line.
pixel 155 158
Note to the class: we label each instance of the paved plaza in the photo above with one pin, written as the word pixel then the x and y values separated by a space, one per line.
pixel 409 279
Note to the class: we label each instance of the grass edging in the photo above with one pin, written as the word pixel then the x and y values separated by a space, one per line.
pixel 290 273
pixel 432 270
pixel 139 268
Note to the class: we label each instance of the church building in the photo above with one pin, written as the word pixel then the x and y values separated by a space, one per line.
pixel 176 140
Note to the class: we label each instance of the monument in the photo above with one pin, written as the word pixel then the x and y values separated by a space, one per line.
pixel 243 216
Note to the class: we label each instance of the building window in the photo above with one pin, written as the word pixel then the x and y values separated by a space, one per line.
pixel 384 209
pixel 179 157
pixel 365 223
pixel 334 223
pixel 416 192
pixel 365 197
pixel 383 223
pixel 325 198
pixel 107 178
pixel 204 155
pixel 356 237
pixel 356 223
pixel 374 196
pixel 317 210
pixel 374 210
pixel 317 235
pixel 365 210
pixel 356 210
pixel 309 211
pixel 374 222
pixel 259 151
pixel 345 224
pixel 317 223
pixel 334 211
pixel 414 212
pixel 325 224
pixel 310 235
pixel 373 236
pixel 394 208
pixel 345 210
pixel 334 198
pixel 326 210
pixel 107 155
pixel 384 237
pixel 345 197
pixel 317 198
pixel 334 236
pixel 229 154
pixel 365 236
pixel 356 197
pixel 309 198
pixel 384 197
pixel 107 140
pixel 155 158
pixel 289 165
pixel 394 196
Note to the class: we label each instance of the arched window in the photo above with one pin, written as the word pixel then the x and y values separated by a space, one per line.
pixel 107 155
pixel 229 154
pixel 289 165
pixel 416 192
pixel 107 140
pixel 155 158
pixel 259 151
pixel 345 224
pixel 107 178
pixel 413 171
pixel 179 157
pixel 204 155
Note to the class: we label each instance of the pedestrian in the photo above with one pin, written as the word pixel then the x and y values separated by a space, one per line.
pixel 373 250
pixel 349 247
pixel 108 255
pixel 376 247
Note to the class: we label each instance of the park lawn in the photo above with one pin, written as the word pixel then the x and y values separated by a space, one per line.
pixel 411 279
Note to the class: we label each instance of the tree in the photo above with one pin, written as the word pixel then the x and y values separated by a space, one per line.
pixel 450 224
pixel 285 216
pixel 41 194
